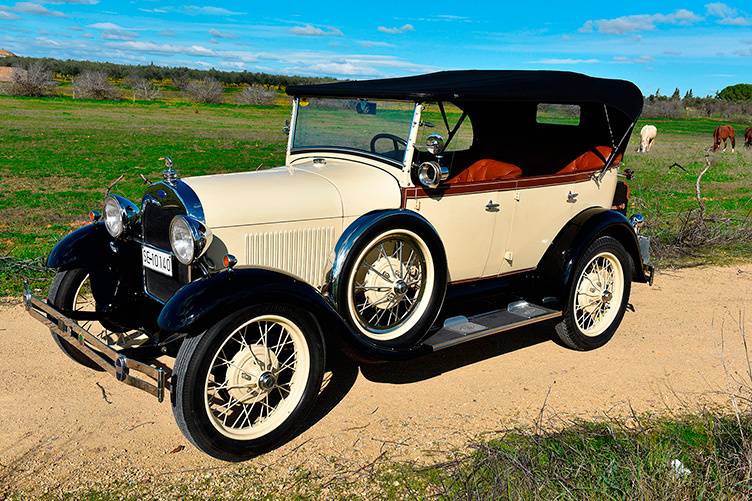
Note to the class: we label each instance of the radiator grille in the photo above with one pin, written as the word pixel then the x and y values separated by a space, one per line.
pixel 303 253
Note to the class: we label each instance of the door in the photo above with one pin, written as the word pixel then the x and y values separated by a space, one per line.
pixel 465 223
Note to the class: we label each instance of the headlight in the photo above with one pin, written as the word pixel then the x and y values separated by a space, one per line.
pixel 188 238
pixel 119 214
pixel 113 216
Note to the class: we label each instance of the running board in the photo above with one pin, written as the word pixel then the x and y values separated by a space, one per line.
pixel 457 330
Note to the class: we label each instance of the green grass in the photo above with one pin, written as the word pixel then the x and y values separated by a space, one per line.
pixel 614 459
pixel 57 157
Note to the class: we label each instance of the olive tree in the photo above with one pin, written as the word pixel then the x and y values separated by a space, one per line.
pixel 143 88
pixel 35 79
pixel 94 85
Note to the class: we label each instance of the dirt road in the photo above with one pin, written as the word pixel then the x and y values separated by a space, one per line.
pixel 62 425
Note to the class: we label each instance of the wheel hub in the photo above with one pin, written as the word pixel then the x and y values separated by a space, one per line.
pixel 384 286
pixel 250 374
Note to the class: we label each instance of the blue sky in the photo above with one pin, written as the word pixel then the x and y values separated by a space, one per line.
pixel 699 45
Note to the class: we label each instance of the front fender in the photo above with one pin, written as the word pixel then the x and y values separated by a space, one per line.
pixel 83 248
pixel 203 302
pixel 558 264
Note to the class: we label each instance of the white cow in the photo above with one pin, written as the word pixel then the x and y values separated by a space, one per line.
pixel 647 137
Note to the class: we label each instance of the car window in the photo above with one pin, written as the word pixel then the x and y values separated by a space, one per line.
pixel 433 123
pixel 558 114
pixel 377 127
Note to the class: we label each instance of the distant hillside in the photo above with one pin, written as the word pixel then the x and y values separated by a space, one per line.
pixel 6 53
pixel 70 68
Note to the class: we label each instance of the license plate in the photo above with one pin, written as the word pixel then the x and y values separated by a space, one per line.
pixel 158 261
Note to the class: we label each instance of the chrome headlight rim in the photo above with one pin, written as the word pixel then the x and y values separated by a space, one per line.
pixel 200 239
pixel 119 214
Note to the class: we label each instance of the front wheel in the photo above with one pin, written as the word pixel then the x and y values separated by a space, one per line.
pixel 247 384
pixel 598 296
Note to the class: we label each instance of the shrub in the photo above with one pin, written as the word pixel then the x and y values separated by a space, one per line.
pixel 94 85
pixel 33 80
pixel 142 88
pixel 256 94
pixel 206 90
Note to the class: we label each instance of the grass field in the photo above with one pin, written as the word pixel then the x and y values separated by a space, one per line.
pixel 57 157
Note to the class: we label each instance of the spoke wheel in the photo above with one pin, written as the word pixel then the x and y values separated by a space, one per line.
pixel 390 285
pixel 246 385
pixel 257 377
pixel 599 293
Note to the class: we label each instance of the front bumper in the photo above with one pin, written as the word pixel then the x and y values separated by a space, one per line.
pixel 157 379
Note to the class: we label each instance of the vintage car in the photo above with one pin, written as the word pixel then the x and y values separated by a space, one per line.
pixel 413 214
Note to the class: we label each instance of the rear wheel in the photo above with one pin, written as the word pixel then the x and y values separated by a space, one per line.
pixel 247 384
pixel 598 296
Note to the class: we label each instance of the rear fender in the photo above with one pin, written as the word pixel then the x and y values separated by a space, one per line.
pixel 558 264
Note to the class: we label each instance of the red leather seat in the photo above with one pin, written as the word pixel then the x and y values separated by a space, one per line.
pixel 485 170
pixel 590 160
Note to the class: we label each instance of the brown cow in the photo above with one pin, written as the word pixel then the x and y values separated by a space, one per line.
pixel 724 133
pixel 748 137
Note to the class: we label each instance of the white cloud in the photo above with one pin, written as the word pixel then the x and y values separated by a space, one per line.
pixel 221 34
pixel 397 29
pixel 728 16
pixel 310 30
pixel 633 60
pixel 374 43
pixel 154 48
pixel 154 11
pixel 77 2
pixel 8 16
pixel 35 9
pixel 198 10
pixel 565 61
pixel 639 22
pixel 112 31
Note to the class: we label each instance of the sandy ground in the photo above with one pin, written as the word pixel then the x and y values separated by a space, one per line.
pixel 681 349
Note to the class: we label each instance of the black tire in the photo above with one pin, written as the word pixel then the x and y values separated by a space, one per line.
pixel 421 324
pixel 62 295
pixel 192 367
pixel 568 330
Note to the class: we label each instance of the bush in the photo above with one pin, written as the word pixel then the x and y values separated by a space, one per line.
pixel 142 88
pixel 738 92
pixel 256 94
pixel 94 85
pixel 35 79
pixel 206 90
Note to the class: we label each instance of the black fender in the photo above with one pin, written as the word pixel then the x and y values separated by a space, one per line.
pixel 83 248
pixel 200 304
pixel 557 266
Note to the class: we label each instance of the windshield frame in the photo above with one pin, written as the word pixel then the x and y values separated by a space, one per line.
pixel 404 165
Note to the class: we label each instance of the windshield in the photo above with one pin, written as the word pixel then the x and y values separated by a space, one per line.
pixel 374 127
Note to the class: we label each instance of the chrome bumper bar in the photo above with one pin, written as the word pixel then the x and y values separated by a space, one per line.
pixel 78 338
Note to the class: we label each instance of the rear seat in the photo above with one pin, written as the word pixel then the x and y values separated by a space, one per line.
pixel 590 160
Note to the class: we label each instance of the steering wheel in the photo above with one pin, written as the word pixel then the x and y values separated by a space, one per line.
pixel 396 140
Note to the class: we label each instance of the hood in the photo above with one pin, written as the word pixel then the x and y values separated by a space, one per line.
pixel 341 188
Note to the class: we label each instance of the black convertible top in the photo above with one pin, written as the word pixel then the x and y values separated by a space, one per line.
pixel 560 87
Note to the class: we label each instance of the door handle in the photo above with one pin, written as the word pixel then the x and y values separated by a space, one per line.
pixel 492 206
pixel 572 197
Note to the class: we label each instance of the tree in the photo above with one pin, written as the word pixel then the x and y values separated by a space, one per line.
pixel 256 94
pixel 35 79
pixel 94 85
pixel 205 90
pixel 738 92
pixel 142 88
pixel 676 96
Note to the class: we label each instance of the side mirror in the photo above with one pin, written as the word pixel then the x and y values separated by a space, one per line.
pixel 435 144
pixel 432 174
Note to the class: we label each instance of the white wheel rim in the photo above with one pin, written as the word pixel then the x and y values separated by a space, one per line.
pixel 390 285
pixel 257 377
pixel 599 293
pixel 83 300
